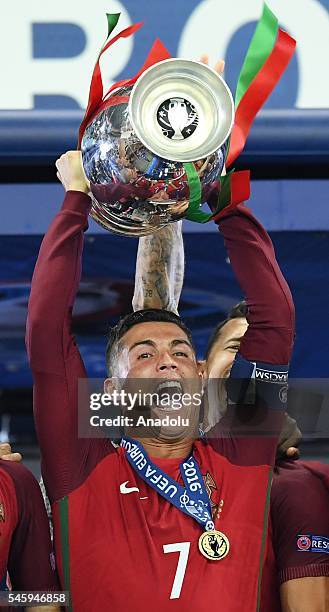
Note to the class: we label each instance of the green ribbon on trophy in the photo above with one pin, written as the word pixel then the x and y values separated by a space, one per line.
pixel 267 58
pixel 234 187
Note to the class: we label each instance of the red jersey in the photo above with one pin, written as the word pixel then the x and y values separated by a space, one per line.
pixel 126 544
pixel 113 548
pixel 25 549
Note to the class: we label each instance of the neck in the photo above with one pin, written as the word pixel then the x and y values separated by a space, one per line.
pixel 169 450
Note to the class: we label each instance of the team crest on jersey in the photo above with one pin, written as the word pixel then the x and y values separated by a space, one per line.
pixel 2 513
pixel 212 491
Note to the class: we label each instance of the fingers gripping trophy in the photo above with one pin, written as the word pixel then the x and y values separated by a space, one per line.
pixel 153 147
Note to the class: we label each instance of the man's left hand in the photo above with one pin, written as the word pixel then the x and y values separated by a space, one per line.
pixel 7 454
pixel 289 439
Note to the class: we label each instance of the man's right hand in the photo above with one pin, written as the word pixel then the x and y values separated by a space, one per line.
pixel 70 172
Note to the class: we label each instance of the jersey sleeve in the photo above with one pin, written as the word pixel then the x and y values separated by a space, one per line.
pixel 300 529
pixel 271 315
pixel 31 563
pixel 53 354
pixel 257 386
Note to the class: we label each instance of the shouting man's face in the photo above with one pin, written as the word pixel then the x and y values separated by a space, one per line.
pixel 157 358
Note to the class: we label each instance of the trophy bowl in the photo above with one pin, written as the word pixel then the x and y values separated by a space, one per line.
pixel 135 150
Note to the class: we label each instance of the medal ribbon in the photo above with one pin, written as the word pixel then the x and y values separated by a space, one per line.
pixel 192 500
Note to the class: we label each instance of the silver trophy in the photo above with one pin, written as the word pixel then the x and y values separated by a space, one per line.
pixel 134 151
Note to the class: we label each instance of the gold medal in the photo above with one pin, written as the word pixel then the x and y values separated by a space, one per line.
pixel 214 545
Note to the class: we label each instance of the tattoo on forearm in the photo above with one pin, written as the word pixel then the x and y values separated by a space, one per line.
pixel 160 269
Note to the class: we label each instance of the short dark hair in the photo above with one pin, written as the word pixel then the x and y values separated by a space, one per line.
pixel 135 318
pixel 238 311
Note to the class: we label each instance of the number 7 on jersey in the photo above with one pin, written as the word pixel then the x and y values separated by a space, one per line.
pixel 183 549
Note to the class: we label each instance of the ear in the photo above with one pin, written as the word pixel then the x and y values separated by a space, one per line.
pixel 201 363
pixel 109 385
pixel 202 368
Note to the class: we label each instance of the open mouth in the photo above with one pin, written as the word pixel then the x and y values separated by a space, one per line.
pixel 169 394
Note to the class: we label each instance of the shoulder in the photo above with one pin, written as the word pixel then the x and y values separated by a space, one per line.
pixel 295 477
pixel 293 483
pixel 300 529
pixel 19 492
pixel 18 473
pixel 23 485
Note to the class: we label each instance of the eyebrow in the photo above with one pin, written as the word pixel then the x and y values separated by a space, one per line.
pixel 238 339
pixel 149 342
pixel 180 341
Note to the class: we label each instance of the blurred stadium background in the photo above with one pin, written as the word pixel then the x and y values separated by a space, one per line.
pixel 47 53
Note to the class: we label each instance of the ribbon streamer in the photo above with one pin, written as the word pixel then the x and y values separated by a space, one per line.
pixel 267 58
pixel 258 51
pixel 193 212
pixel 97 101
pixel 157 54
pixel 96 85
pixel 234 188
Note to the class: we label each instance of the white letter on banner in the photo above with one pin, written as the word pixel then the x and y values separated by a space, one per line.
pixel 26 76
pixel 212 25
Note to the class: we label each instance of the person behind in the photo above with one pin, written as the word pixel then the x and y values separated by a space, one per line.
pixel 25 551
pixel 303 576
pixel 108 515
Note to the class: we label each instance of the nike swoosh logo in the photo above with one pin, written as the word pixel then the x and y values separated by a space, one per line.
pixel 124 489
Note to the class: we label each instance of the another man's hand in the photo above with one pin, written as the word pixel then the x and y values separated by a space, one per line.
pixel 289 439
pixel 218 67
pixel 7 454
pixel 70 172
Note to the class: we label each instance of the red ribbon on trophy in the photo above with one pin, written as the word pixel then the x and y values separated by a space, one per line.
pixel 97 100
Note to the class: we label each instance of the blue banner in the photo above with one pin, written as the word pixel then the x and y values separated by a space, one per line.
pixel 53 46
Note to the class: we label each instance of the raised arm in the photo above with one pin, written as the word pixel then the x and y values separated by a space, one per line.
pixel 160 269
pixel 54 357
pixel 265 348
pixel 271 315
